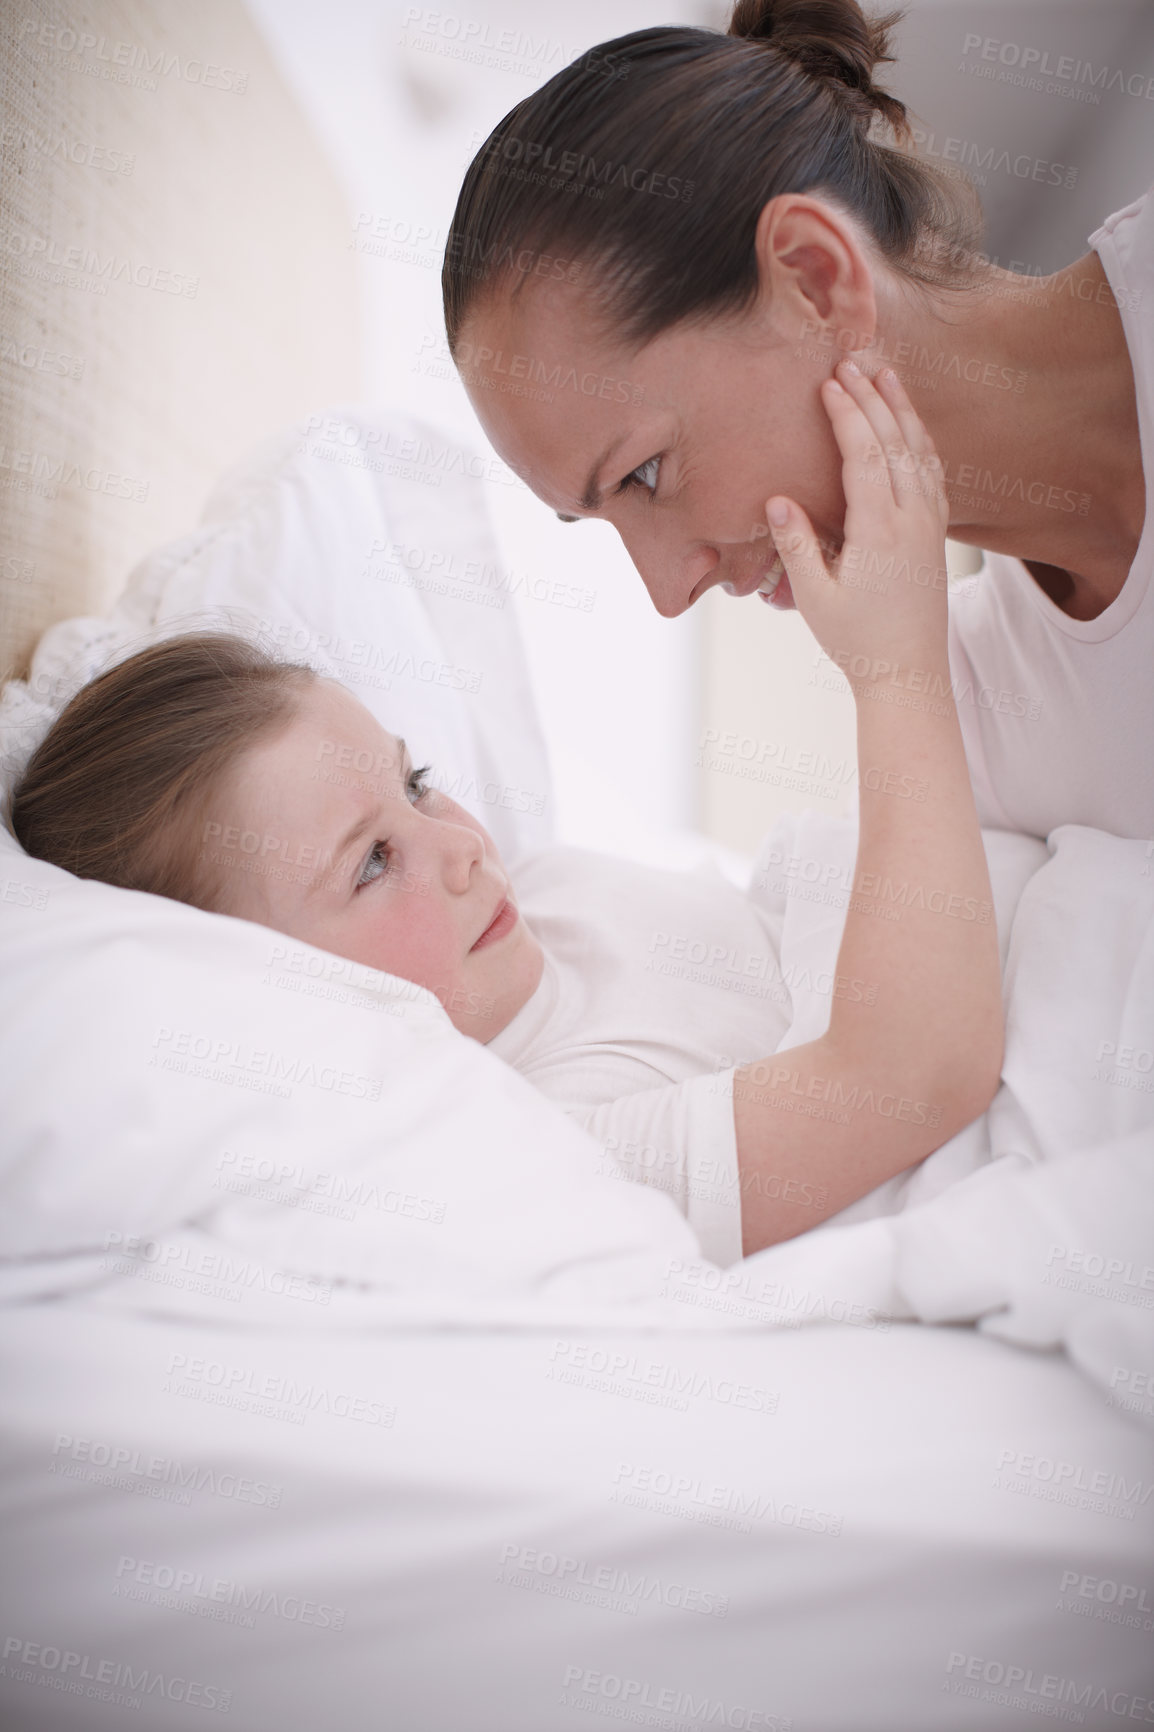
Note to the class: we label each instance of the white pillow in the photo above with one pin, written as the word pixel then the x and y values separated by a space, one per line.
pixel 361 545
pixel 201 1114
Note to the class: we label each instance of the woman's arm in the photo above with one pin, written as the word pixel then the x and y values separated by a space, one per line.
pixel 889 1081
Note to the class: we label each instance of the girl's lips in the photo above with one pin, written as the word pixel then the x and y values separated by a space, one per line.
pixel 502 922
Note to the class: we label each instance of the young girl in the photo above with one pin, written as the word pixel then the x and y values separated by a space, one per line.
pixel 203 770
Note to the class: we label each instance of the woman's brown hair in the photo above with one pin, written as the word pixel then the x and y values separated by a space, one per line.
pixel 643 167
pixel 119 787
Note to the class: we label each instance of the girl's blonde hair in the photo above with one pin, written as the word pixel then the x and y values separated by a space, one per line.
pixel 119 788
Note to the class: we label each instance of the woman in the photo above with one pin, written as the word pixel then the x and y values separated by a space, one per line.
pixel 649 276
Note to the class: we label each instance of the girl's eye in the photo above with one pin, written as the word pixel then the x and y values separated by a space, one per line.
pixel 645 475
pixel 376 864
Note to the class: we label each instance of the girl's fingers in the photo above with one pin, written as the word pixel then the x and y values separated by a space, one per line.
pixel 867 479
pixel 797 544
pixel 893 393
pixel 908 449
pixel 877 412
pixel 927 465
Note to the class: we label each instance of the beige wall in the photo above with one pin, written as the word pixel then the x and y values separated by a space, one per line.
pixel 175 282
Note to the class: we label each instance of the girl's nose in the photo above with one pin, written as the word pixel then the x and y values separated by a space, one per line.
pixel 461 849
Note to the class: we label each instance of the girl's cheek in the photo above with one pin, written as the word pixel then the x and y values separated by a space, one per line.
pixel 415 944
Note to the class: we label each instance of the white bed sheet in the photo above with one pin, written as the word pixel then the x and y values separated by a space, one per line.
pixel 477 1512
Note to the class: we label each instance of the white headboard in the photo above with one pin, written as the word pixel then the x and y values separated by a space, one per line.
pixel 175 281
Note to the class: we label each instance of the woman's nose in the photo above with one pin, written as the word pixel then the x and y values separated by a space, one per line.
pixel 669 577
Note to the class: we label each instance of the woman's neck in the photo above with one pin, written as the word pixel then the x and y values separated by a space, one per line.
pixel 1027 388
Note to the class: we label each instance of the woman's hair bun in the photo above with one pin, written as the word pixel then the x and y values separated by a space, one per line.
pixel 829 39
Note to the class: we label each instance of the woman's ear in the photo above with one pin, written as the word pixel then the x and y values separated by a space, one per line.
pixel 814 276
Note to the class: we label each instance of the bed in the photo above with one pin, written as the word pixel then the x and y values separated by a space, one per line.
pixel 344 1385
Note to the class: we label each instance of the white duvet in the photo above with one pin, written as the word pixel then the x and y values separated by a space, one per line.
pixel 1038 1220
pixel 234 1121
pixel 345 1184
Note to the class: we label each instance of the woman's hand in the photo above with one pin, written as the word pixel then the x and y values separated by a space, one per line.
pixel 881 603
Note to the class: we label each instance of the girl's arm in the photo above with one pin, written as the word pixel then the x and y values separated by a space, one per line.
pixel 889 1081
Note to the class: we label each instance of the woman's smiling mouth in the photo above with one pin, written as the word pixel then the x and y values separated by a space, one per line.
pixel 764 583
pixel 780 596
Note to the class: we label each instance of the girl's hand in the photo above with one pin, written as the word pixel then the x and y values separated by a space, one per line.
pixel 881 603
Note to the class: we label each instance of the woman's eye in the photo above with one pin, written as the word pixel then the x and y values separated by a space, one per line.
pixel 375 865
pixel 645 475
pixel 418 783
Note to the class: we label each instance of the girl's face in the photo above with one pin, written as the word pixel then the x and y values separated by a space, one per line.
pixel 680 444
pixel 326 832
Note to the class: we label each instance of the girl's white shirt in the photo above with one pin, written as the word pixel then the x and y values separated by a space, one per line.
pixel 1058 713
pixel 656 985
